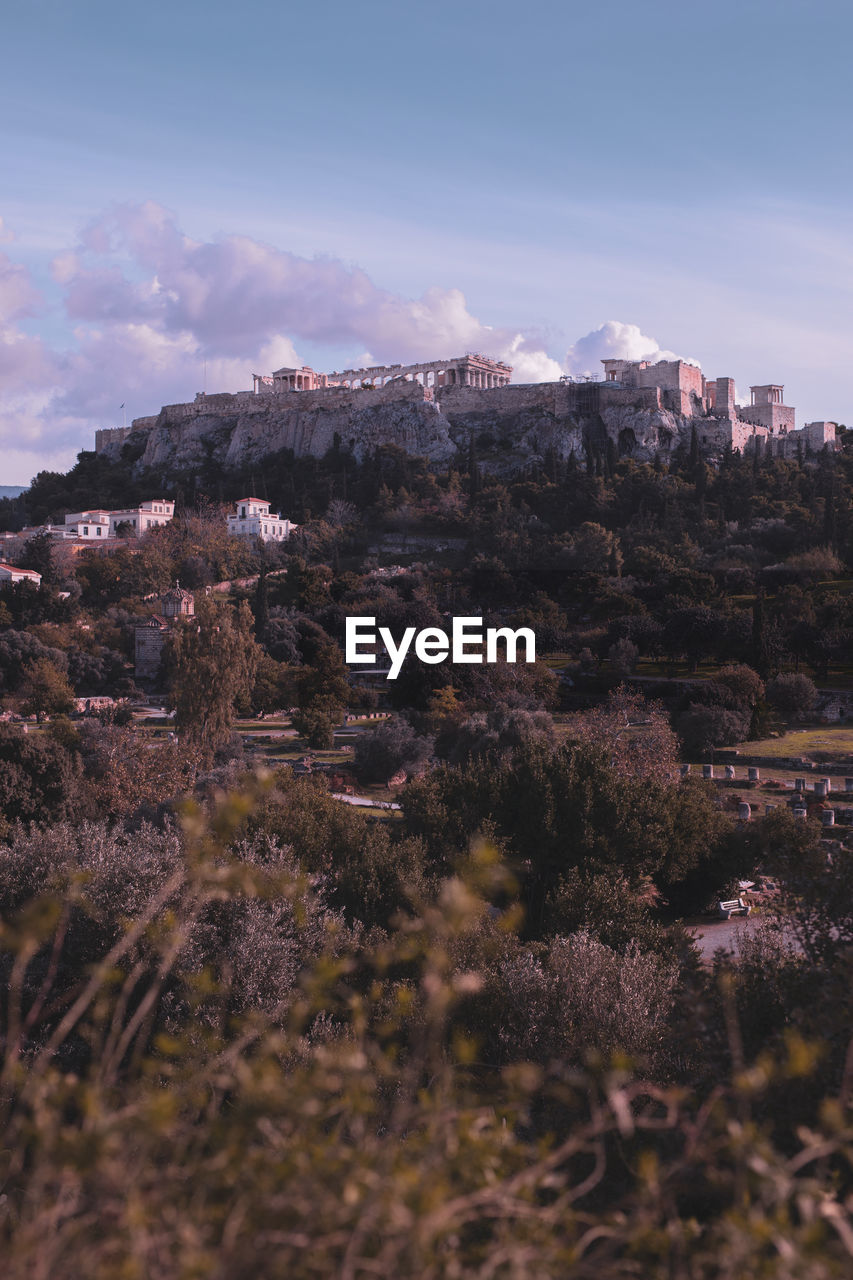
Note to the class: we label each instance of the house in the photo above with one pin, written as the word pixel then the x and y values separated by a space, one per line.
pixel 100 524
pixel 253 519
pixel 11 573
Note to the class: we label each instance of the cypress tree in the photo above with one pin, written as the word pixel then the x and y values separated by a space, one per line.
pixel 760 655
pixel 473 467
pixel 262 609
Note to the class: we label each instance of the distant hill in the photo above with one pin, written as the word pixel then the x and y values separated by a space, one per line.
pixel 12 490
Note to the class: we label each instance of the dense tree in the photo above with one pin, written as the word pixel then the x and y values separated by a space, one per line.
pixel 704 726
pixel 499 732
pixel 45 690
pixel 273 687
pixel 38 554
pixel 212 659
pixel 39 778
pixel 391 748
pixel 793 696
pixel 18 651
pixel 323 694
pixel 552 811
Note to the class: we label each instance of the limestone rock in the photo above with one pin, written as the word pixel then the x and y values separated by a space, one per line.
pixel 512 425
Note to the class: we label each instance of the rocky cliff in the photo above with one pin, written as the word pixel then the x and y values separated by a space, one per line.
pixel 510 424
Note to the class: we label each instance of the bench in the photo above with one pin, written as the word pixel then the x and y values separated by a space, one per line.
pixel 737 907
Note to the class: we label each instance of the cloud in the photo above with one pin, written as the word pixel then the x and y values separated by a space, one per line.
pixel 614 340
pixel 146 308
pixel 135 266
pixel 18 295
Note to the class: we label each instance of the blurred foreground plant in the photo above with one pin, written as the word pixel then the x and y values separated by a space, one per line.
pixel 154 1126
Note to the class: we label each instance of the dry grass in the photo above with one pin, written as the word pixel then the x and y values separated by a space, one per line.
pixel 826 742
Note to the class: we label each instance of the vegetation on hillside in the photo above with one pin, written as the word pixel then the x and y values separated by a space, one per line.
pixel 247 1030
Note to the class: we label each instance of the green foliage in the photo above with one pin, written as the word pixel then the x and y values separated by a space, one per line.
pixel 554 811
pixel 39 778
pixel 273 687
pixel 238 1086
pixel 45 690
pixel 19 650
pixel 793 696
pixel 370 869
pixel 389 749
pixel 212 659
pixel 323 695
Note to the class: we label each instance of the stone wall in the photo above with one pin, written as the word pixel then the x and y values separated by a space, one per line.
pixel 110 436
pixel 144 424
pixel 560 398
pixel 818 434
pixel 149 642
pixel 673 375
pixel 775 417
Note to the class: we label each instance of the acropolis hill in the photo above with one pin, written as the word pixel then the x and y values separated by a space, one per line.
pixel 432 409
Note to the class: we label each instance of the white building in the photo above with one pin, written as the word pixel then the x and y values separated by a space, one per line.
pixel 144 517
pixel 11 573
pixel 88 524
pixel 100 524
pixel 253 519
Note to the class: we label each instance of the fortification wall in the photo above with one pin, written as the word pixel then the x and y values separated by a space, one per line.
pixel 266 402
pixel 110 436
pixel 524 420
pixel 338 398
pixel 775 417
pixel 673 375
pixel 560 398
pixel 818 434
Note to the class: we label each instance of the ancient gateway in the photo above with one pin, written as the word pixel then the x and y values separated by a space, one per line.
pixel 471 370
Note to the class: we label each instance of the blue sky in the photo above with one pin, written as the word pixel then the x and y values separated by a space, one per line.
pixel 253 184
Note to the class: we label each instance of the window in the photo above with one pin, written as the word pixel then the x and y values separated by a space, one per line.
pixel 98 531
pixel 85 531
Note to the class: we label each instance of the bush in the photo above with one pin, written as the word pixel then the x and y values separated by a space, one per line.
pixel 794 697
pixel 702 728
pixel 392 748
pixel 230 1084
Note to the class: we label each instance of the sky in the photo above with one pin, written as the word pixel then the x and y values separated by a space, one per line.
pixel 194 192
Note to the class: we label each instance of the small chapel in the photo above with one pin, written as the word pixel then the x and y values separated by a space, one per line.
pixel 150 635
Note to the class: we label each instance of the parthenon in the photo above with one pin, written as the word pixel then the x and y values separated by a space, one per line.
pixel 470 370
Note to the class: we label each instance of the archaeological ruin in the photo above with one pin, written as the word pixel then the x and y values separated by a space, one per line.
pixel 646 409
pixel 470 370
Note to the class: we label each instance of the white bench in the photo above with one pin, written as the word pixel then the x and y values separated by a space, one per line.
pixel 737 907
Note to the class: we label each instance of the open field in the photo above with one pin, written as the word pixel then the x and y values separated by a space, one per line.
pixel 823 742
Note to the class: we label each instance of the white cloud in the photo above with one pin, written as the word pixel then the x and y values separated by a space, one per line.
pixel 614 340
pixel 234 294
pixel 147 308
pixel 530 365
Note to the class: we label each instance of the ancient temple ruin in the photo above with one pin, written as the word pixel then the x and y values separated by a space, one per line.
pixel 470 370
